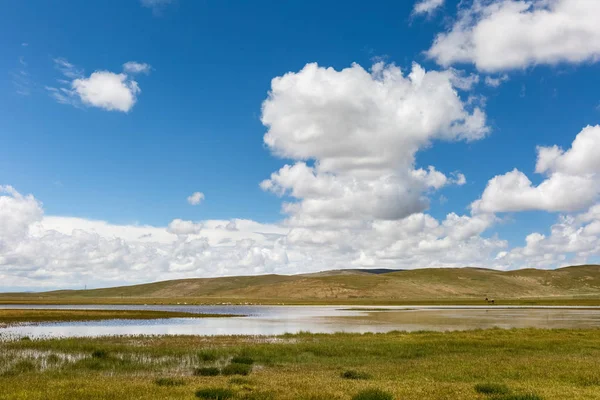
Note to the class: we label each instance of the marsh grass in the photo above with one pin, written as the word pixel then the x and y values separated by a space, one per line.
pixel 102 354
pixel 208 355
pixel 236 369
pixel 21 367
pixel 242 360
pixel 207 371
pixel 553 364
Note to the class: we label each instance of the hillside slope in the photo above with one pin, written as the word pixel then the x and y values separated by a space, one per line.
pixel 393 286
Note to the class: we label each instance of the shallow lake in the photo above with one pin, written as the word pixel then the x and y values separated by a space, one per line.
pixel 276 320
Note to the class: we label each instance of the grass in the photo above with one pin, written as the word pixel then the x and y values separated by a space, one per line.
pixel 533 364
pixel 491 388
pixel 352 374
pixel 236 369
pixel 372 394
pixel 207 371
pixel 169 382
pixel 579 285
pixel 242 360
pixel 17 316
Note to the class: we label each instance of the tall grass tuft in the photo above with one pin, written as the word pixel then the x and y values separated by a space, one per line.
pixel 101 354
pixel 242 360
pixel 208 355
pixel 207 371
pixel 237 369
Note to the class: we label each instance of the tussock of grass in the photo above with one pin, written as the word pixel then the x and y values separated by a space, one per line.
pixel 352 374
pixel 492 388
pixel 237 369
pixel 102 354
pixel 207 371
pixel 215 394
pixel 242 360
pixel 53 359
pixel 169 382
pixel 372 394
pixel 208 355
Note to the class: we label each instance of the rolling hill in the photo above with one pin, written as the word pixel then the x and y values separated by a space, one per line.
pixel 352 286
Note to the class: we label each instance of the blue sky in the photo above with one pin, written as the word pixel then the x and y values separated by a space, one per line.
pixel 195 126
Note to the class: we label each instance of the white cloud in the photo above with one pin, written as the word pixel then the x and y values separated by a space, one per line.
pixel 196 198
pixel 572 180
pixel 181 227
pixel 500 35
pixel 103 89
pixel 427 6
pixel 573 239
pixel 47 251
pixel 107 90
pixel 132 67
pixel 361 130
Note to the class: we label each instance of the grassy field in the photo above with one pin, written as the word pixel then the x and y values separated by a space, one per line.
pixel 8 317
pixel 579 285
pixel 491 364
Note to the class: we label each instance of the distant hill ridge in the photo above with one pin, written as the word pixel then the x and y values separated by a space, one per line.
pixel 376 284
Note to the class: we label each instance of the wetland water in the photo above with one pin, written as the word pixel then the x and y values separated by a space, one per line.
pixel 276 320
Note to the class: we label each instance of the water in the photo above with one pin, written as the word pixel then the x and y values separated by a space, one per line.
pixel 277 320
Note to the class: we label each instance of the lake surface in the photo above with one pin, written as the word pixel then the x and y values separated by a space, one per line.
pixel 277 320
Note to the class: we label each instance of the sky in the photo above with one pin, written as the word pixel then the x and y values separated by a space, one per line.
pixel 145 140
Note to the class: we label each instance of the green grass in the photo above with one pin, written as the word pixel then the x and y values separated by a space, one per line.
pixel 491 388
pixel 207 371
pixel 352 374
pixel 579 285
pixel 242 360
pixel 533 364
pixel 236 369
pixel 169 382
